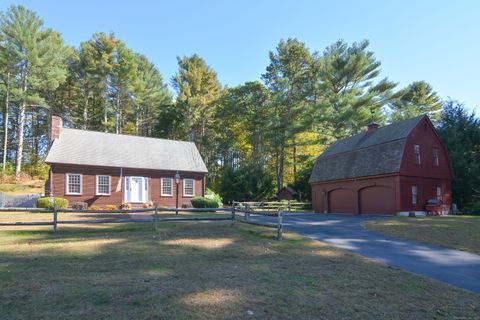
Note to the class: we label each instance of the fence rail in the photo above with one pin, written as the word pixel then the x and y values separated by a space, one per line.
pixel 235 215
pixel 271 207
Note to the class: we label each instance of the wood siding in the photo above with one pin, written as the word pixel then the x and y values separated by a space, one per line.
pixel 58 179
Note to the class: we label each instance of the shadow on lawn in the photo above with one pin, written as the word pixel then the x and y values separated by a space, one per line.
pixel 203 270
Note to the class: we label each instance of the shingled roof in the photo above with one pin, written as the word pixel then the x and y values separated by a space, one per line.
pixel 365 154
pixel 82 147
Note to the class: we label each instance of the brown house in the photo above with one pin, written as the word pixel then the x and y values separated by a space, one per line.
pixel 111 169
pixel 394 169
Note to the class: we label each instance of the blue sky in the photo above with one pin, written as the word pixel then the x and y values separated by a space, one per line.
pixel 436 41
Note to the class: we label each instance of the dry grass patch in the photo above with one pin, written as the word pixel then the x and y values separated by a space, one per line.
pixel 455 232
pixel 208 271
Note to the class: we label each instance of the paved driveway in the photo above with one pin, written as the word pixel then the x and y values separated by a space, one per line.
pixel 458 268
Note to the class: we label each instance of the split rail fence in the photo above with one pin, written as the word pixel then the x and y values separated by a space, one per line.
pixel 150 215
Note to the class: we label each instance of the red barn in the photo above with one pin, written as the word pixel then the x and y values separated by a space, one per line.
pixel 110 169
pixel 394 169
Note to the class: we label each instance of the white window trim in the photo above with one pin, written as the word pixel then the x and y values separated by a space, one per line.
pixel 66 184
pixel 414 195
pixel 419 162
pixel 109 185
pixel 436 157
pixel 193 188
pixel 438 195
pixel 161 187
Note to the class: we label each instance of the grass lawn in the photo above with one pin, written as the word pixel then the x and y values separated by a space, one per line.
pixel 205 270
pixel 456 232
pixel 27 187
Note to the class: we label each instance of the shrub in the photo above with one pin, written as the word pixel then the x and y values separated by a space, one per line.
pixel 210 194
pixel 110 207
pixel 44 202
pixel 472 208
pixel 201 202
pixel 94 208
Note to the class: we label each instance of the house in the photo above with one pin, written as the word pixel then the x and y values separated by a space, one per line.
pixel 288 193
pixel 110 169
pixel 393 169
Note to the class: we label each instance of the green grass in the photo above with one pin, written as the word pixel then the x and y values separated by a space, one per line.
pixel 207 271
pixel 456 232
pixel 29 187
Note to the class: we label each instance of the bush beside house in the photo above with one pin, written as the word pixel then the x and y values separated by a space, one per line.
pixel 44 202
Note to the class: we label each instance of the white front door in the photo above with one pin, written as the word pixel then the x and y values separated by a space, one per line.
pixel 136 189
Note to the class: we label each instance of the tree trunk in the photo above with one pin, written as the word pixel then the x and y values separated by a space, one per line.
pixel 281 165
pixel 136 120
pixel 294 161
pixel 21 126
pixel 85 111
pixel 5 122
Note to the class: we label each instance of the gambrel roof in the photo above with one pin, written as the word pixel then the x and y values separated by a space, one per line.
pixel 365 154
pixel 82 147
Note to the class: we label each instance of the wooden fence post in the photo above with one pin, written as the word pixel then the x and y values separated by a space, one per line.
pixel 155 218
pixel 247 212
pixel 280 224
pixel 289 206
pixel 55 218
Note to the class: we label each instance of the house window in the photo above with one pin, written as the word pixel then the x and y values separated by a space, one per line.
pixel 74 183
pixel 435 157
pixel 103 185
pixel 416 151
pixel 414 195
pixel 188 188
pixel 167 189
pixel 439 194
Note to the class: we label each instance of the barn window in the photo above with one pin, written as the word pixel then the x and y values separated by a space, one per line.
pixel 435 157
pixel 188 188
pixel 103 185
pixel 416 151
pixel 74 183
pixel 167 189
pixel 439 194
pixel 414 195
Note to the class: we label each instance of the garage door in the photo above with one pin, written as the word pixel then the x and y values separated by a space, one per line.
pixel 341 201
pixel 377 199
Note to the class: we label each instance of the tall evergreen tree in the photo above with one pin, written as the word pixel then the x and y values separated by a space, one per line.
pixel 198 90
pixel 288 77
pixel 417 99
pixel 39 56
pixel 348 93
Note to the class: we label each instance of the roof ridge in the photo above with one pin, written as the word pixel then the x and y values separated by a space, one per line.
pixel 362 148
pixel 129 135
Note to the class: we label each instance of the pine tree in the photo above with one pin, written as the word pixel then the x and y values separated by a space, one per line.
pixel 198 90
pixel 417 99
pixel 39 56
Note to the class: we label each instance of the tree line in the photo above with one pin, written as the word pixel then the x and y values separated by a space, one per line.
pixel 255 138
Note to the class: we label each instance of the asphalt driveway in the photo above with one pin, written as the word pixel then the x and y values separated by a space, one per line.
pixel 457 268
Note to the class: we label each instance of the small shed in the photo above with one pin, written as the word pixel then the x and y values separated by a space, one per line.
pixel 288 193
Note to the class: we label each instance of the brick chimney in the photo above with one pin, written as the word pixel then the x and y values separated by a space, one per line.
pixel 372 127
pixel 56 129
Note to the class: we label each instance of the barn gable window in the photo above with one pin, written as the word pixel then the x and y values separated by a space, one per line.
pixel 103 185
pixel 167 189
pixel 435 157
pixel 74 183
pixel 188 188
pixel 416 151
pixel 414 195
